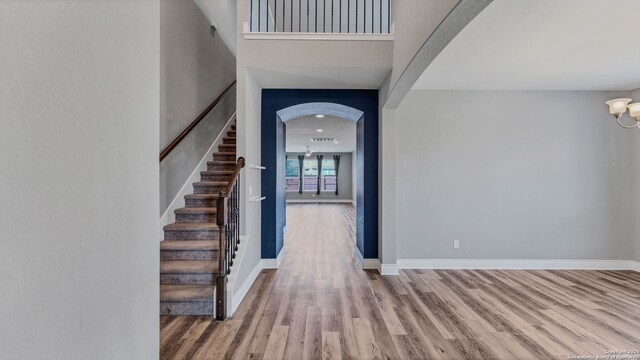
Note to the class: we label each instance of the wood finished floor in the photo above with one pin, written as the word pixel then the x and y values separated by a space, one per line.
pixel 321 305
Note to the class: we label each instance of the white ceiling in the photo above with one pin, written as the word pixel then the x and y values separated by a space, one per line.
pixel 300 131
pixel 543 45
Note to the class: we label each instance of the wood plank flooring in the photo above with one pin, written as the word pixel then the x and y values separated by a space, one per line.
pixel 321 305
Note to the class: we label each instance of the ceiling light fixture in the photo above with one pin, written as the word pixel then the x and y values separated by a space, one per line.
pixel 320 116
pixel 319 130
pixel 617 108
pixel 308 152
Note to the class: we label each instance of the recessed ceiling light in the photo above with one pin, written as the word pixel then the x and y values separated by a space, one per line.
pixel 319 130
pixel 320 116
pixel 336 142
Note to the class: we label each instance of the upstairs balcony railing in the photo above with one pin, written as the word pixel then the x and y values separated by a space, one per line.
pixel 320 16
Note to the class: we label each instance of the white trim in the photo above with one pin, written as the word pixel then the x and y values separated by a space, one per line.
pixel 517 264
pixel 313 36
pixel 238 295
pixel 320 201
pixel 389 269
pixel 168 216
pixel 273 263
pixel 367 264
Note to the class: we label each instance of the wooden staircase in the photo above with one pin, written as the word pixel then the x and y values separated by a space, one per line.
pixel 190 254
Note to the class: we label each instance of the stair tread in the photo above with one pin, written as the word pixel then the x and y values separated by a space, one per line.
pixel 216 172
pixel 187 267
pixel 227 145
pixel 221 162
pixel 191 226
pixel 219 183
pixel 228 153
pixel 187 292
pixel 196 210
pixel 201 196
pixel 186 245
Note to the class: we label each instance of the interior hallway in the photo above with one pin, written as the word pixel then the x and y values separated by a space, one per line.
pixel 320 304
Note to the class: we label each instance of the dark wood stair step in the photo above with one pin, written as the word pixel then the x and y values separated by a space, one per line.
pixel 231 133
pixel 187 267
pixel 189 245
pixel 187 300
pixel 221 165
pixel 229 140
pixel 187 292
pixel 224 156
pixel 200 200
pixel 191 231
pixel 216 175
pixel 195 214
pixel 209 187
pixel 227 148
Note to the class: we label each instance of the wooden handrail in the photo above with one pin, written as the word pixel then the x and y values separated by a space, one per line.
pixel 172 145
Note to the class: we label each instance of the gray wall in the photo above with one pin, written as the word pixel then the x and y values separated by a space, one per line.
pixel 195 67
pixel 79 184
pixel 345 181
pixel 516 175
pixel 635 95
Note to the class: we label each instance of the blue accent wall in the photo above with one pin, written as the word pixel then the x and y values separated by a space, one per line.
pixel 273 158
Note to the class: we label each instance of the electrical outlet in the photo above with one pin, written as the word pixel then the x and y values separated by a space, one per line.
pixel 456 244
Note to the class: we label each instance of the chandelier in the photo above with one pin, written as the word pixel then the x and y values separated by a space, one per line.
pixel 617 107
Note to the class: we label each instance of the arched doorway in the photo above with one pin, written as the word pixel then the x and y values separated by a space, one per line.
pixel 282 105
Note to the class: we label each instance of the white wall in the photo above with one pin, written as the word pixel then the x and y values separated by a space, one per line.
pixel 79 184
pixel 513 175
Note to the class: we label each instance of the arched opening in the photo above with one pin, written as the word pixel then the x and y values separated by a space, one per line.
pixel 283 107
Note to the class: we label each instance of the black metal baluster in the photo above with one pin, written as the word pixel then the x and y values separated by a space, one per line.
pixel 324 16
pixel 364 17
pixel 259 13
pixel 331 16
pixel 251 16
pixel 291 12
pixel 340 17
pixel 275 16
pixel 357 1
pixel 348 15
pixel 316 14
pixel 307 15
pixel 372 29
pixel 388 17
pixel 299 15
pixel 267 16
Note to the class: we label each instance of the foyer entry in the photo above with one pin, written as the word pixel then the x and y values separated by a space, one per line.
pixel 281 105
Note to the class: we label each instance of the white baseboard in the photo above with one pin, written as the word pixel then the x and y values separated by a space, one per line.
pixel 168 216
pixel 518 264
pixel 367 264
pixel 389 269
pixel 273 263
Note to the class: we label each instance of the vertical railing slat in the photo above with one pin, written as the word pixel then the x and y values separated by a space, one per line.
pixel 324 16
